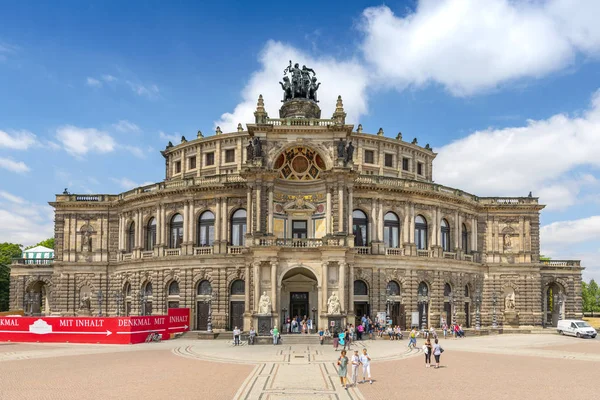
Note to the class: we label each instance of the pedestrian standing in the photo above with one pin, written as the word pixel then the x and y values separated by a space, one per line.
pixel 355 365
pixel 336 340
pixel 360 329
pixel 365 360
pixel 445 328
pixel 236 336
pixel 343 369
pixel 412 338
pixel 427 349
pixel 321 333
pixel 346 339
pixel 275 333
pixel 437 352
pixel 251 334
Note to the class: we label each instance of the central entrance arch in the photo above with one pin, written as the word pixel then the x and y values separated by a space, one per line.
pixel 299 297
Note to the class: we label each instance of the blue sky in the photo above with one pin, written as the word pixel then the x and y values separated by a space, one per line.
pixel 505 91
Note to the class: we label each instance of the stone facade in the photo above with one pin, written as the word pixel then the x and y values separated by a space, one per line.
pixel 316 208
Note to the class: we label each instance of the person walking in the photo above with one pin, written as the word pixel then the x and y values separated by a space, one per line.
pixel 321 336
pixel 437 352
pixel 346 339
pixel 412 343
pixel 336 340
pixel 427 350
pixel 236 336
pixel 365 360
pixel 343 369
pixel 360 329
pixel 355 365
pixel 251 335
pixel 445 329
pixel 275 333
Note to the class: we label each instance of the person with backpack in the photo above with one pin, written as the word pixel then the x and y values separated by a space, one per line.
pixel 437 352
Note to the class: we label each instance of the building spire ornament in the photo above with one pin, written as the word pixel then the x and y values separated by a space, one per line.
pixel 260 115
pixel 399 136
pixel 359 129
pixel 200 135
pixel 218 131
pixel 380 132
pixel 240 128
pixel 339 115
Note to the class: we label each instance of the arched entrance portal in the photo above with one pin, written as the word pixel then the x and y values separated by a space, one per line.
pixel 299 297
pixel 554 304
pixel 36 299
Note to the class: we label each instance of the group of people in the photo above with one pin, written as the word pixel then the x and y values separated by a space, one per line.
pixel 299 324
pixel 357 360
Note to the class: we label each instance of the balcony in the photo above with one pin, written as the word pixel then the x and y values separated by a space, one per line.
pixel 172 252
pixel 300 243
pixel 449 255
pixel 32 261
pixel 203 251
pixel 396 251
pixel 147 254
pixel 362 250
pixel 562 263
pixel 127 256
pixel 424 253
pixel 235 249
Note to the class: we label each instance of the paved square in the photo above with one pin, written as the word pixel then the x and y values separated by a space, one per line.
pixel 536 366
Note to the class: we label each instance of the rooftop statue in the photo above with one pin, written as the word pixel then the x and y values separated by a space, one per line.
pixel 302 85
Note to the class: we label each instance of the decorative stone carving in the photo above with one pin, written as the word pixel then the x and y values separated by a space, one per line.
pixel 333 304
pixel 509 300
pixel 264 305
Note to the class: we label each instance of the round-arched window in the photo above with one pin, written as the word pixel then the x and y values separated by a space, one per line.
pixel 238 287
pixel 423 289
pixel 391 230
pixel 360 288
pixel 393 288
pixel 174 288
pixel 360 228
pixel 204 288
pixel 148 289
pixel 447 290
pixel 420 232
pixel 299 164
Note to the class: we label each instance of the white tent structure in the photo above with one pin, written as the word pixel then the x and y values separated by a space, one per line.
pixel 38 255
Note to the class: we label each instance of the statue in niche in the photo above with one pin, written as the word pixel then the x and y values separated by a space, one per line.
pixel 509 301
pixel 249 150
pixel 257 147
pixel 349 152
pixel 507 243
pixel 264 305
pixel 341 149
pixel 86 239
pixel 333 304
pixel 85 304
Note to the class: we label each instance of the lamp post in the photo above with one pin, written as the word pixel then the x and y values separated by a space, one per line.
pixel 284 321
pixel 560 303
pixel 477 310
pixel 209 300
pixel 494 322
pixel 143 300
pixel 119 299
pixel 423 303
pixel 100 298
pixel 452 309
pixel 314 321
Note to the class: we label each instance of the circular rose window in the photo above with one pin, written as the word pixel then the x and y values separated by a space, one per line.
pixel 299 164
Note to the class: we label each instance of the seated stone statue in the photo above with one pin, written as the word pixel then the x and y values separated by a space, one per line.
pixel 264 305
pixel 333 304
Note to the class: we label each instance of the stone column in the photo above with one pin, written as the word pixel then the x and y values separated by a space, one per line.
pixel 185 222
pixel 411 227
pixel 405 229
pixel 218 220
pixel 372 226
pixel 224 220
pixel 120 232
pixel 191 238
pixel 473 234
pixel 435 227
pixel 521 236
pixel 247 290
pixel 274 286
pixel 341 207
pixel 249 210
pixel 256 267
pixel 342 286
pixel 380 221
pixel 351 291
pixel 270 220
pixel 258 203
pixel 456 229
pixel 329 212
pixel 350 209
pixel 324 285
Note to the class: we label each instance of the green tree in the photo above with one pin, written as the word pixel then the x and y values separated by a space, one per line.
pixel 590 296
pixel 8 251
pixel 49 243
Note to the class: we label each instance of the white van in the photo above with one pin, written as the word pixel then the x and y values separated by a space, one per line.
pixel 576 327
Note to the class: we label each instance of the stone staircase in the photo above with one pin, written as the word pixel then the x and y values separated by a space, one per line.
pixel 299 338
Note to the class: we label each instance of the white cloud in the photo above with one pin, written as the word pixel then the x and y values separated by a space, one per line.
pixel 564 233
pixel 151 91
pixel 79 141
pixel 128 184
pixel 472 45
pixel 175 137
pixel 24 222
pixel 14 166
pixel 109 78
pixel 93 82
pixel 540 157
pixel 126 126
pixel 136 151
pixel 346 78
pixel 19 140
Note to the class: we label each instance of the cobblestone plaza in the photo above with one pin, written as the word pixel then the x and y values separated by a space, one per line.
pixel 536 366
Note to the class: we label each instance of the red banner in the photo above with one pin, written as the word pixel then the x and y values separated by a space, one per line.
pixel 109 330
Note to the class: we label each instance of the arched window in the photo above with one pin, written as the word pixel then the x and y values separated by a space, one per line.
pixel 421 232
pixel 360 228
pixel 204 288
pixel 466 290
pixel 391 230
pixel 174 288
pixel 206 229
pixel 131 238
pixel 127 300
pixel 393 288
pixel 127 290
pixel 445 231
pixel 148 289
pixel 147 299
pixel 360 288
pixel 465 239
pixel 151 234
pixel 176 226
pixel 238 228
pixel 238 287
pixel 423 289
pixel 447 290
